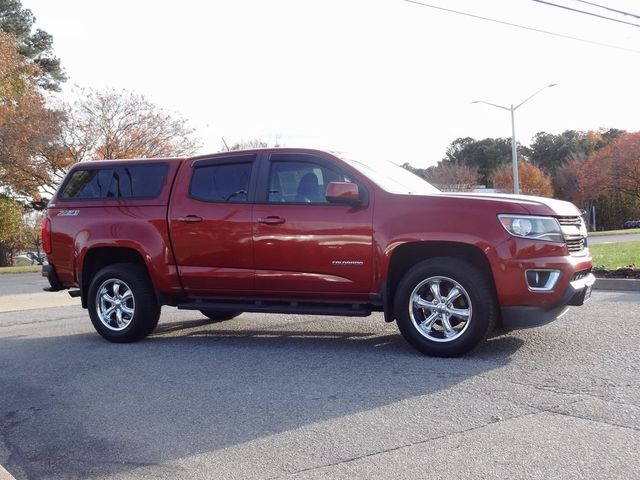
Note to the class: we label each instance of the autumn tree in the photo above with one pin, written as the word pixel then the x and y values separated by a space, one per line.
pixel 12 229
pixel 249 145
pixel 550 152
pixel 124 124
pixel 533 181
pixel 613 170
pixel 29 130
pixel 36 47
pixel 452 178
pixel 565 181
pixel 483 155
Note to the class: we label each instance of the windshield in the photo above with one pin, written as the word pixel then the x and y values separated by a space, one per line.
pixel 393 178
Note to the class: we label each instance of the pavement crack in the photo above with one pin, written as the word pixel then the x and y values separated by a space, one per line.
pixel 38 322
pixel 584 417
pixel 426 441
pixel 569 392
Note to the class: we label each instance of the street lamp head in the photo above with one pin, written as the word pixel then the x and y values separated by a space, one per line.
pixel 552 85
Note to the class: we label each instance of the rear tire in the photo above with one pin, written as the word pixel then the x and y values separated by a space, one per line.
pixel 219 316
pixel 122 303
pixel 444 307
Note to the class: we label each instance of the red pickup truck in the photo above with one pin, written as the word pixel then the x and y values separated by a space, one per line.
pixel 308 232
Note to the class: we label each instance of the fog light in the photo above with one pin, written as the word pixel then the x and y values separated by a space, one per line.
pixel 541 280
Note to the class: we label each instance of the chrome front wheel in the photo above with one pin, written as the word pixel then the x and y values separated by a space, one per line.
pixel 445 306
pixel 440 309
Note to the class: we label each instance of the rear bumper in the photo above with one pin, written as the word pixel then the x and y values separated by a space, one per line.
pixel 49 271
pixel 576 293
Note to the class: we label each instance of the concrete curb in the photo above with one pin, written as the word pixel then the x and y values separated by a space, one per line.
pixel 629 284
pixel 4 475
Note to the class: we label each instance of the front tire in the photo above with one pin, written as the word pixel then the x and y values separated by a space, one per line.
pixel 122 303
pixel 444 307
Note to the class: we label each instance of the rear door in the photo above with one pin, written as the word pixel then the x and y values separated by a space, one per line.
pixel 211 224
pixel 303 244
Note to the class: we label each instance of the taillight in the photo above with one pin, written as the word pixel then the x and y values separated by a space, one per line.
pixel 46 235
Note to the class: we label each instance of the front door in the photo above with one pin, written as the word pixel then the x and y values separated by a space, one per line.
pixel 304 245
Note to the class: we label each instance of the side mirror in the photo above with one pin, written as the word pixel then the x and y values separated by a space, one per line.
pixel 343 192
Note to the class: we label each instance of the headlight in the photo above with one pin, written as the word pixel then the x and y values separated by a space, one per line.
pixel 534 228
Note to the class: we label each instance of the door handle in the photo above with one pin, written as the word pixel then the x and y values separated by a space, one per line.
pixel 190 219
pixel 271 220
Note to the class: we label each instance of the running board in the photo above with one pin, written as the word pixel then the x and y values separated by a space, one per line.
pixel 342 310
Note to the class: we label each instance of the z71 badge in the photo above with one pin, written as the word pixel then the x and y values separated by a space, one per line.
pixel 68 213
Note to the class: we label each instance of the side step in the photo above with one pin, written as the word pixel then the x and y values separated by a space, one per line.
pixel 337 309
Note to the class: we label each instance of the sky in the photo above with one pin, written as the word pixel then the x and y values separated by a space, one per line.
pixel 388 78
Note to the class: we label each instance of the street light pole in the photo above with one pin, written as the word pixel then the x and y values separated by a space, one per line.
pixel 514 150
pixel 514 153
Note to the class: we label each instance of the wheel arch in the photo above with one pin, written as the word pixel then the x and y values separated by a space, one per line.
pixel 99 257
pixel 407 255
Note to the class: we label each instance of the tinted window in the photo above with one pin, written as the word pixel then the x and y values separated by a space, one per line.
pixel 301 182
pixel 86 184
pixel 132 181
pixel 221 183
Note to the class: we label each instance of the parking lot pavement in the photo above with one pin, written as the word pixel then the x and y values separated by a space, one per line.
pixel 268 396
pixel 20 283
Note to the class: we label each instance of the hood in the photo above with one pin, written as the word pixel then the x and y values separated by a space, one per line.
pixel 533 205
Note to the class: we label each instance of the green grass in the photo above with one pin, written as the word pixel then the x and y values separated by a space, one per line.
pixel 615 232
pixel 615 255
pixel 22 269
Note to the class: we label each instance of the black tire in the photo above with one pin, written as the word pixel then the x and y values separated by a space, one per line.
pixel 137 304
pixel 219 316
pixel 439 329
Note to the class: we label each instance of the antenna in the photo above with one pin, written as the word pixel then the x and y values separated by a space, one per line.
pixel 225 144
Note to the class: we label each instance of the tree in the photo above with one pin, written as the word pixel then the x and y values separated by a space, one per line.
pixel 12 229
pixel 565 181
pixel 36 46
pixel 610 181
pixel 249 144
pixel 452 178
pixel 614 169
pixel 484 155
pixel 550 152
pixel 29 130
pixel 533 181
pixel 110 124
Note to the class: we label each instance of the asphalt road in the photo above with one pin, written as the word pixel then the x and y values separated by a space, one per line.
pixel 16 283
pixel 620 238
pixel 301 397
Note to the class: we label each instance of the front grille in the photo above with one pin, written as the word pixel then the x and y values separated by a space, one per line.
pixel 572 232
pixel 570 221
pixel 575 245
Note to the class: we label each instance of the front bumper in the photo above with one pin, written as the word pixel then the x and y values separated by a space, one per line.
pixel 518 317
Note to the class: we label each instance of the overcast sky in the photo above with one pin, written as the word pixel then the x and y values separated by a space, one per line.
pixel 373 75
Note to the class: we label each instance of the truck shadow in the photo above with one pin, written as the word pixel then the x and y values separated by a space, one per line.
pixel 77 406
